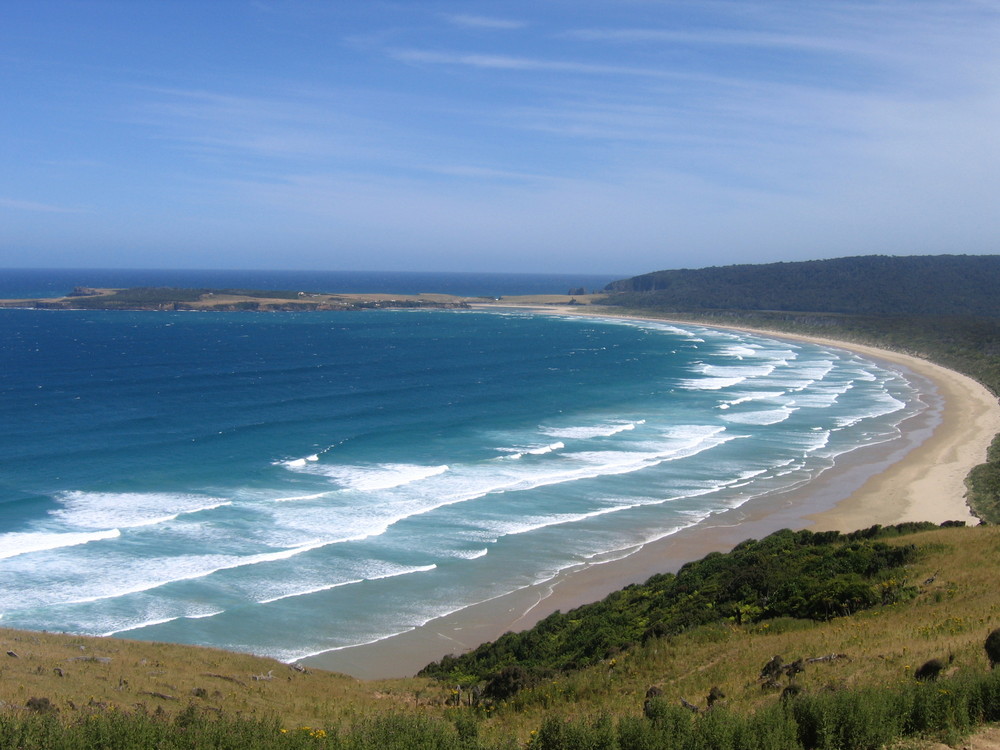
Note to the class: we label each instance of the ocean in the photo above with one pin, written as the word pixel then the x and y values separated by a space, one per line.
pixel 290 483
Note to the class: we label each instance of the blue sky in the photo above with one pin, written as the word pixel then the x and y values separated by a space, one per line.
pixel 592 136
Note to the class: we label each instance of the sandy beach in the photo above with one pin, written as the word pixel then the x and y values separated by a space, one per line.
pixel 917 477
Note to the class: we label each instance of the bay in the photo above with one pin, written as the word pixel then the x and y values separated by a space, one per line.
pixel 291 483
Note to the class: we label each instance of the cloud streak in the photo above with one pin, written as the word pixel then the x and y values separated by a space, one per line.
pixel 35 207
pixel 484 22
pixel 509 62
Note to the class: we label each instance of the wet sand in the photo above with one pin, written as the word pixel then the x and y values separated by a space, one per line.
pixel 917 477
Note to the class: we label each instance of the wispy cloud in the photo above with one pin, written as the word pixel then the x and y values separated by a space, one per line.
pixel 20 205
pixel 870 38
pixel 511 62
pixel 293 124
pixel 484 22
pixel 715 37
pixel 483 173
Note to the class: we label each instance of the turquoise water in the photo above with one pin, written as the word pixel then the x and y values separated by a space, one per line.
pixel 291 483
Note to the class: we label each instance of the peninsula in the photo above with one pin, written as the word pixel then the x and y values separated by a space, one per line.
pixel 229 300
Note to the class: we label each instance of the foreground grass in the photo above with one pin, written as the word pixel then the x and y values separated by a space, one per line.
pixel 861 719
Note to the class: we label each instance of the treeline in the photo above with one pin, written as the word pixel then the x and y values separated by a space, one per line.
pixel 962 285
pixel 799 574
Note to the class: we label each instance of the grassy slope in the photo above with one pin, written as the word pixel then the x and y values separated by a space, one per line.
pixel 952 615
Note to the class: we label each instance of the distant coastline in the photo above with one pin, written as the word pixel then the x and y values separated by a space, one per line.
pixel 229 300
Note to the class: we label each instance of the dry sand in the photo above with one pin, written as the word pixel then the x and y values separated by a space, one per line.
pixel 918 477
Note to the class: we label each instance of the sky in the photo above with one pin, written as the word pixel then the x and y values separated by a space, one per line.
pixel 584 136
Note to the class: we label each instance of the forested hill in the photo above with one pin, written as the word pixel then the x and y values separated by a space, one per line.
pixel 938 285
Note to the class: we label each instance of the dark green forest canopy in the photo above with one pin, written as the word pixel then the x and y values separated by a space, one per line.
pixel 787 574
pixel 964 285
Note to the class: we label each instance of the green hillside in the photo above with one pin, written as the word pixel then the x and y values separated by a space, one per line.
pixel 948 285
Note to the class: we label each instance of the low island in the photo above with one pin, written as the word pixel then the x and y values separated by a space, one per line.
pixel 229 300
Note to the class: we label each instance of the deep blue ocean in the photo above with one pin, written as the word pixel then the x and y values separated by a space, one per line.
pixel 288 483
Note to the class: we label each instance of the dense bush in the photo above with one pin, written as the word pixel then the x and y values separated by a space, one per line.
pixel 787 574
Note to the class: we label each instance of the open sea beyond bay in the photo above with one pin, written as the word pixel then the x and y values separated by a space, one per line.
pixel 290 483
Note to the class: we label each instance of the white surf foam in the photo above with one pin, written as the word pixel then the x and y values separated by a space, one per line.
pixel 311 496
pixel 308 591
pixel 765 417
pixel 376 476
pixel 203 615
pixel 342 517
pixel 515 454
pixel 736 371
pixel 821 396
pixel 882 405
pixel 542 450
pixel 25 542
pixel 740 351
pixel 743 398
pixel 384 573
pixel 126 625
pixel 470 554
pixel 295 463
pixel 814 441
pixel 707 383
pixel 146 575
pixel 586 432
pixel 121 510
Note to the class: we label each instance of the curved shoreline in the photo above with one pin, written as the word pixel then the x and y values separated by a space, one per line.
pixel 916 477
